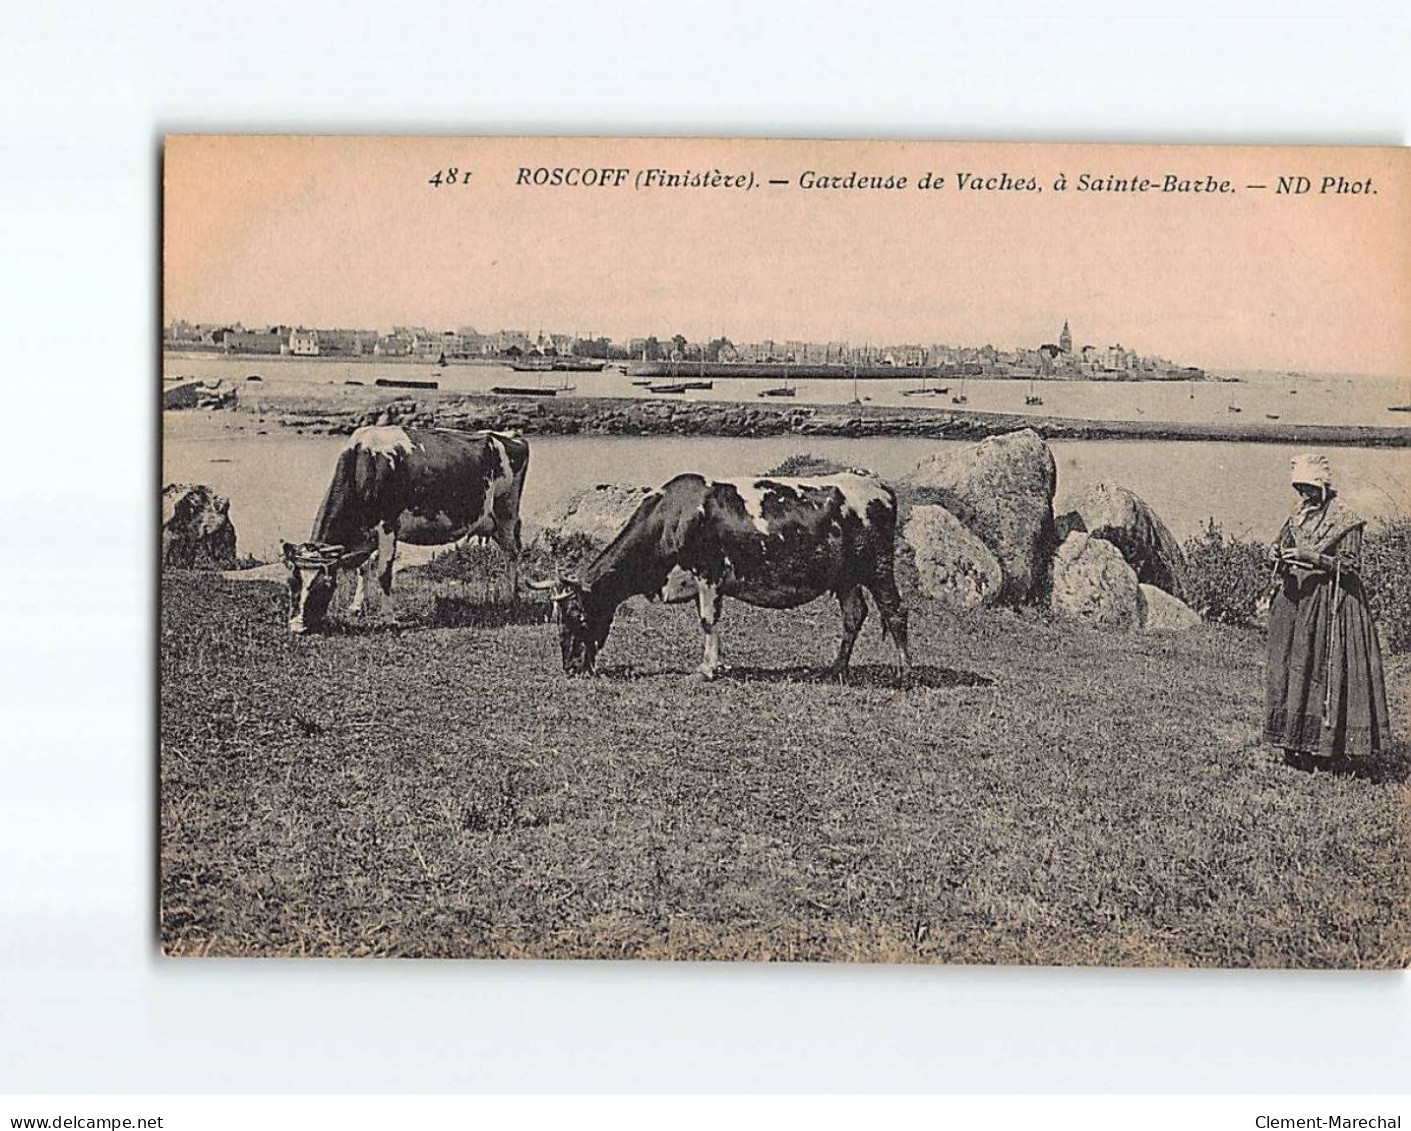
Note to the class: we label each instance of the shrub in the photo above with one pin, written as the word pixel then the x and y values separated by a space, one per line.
pixel 479 562
pixel 1386 570
pixel 472 561
pixel 1228 577
pixel 568 553
pixel 806 463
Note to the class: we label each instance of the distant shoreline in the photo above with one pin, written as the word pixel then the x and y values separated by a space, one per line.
pixel 340 409
pixel 329 359
pixel 786 372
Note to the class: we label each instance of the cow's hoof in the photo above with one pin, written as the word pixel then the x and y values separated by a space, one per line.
pixel 705 673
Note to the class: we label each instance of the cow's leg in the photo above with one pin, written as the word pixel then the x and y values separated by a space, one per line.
pixel 507 538
pixel 386 556
pixel 884 591
pixel 854 614
pixel 360 576
pixel 708 602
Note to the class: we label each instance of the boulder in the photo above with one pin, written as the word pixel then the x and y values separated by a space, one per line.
pixel 594 514
pixel 1093 582
pixel 952 565
pixel 208 393
pixel 1001 489
pixel 196 529
pixel 1123 518
pixel 1162 612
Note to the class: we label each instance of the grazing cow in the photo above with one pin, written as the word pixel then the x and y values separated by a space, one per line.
pixel 772 542
pixel 427 487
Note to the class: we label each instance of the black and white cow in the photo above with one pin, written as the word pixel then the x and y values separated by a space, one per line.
pixel 773 542
pixel 428 487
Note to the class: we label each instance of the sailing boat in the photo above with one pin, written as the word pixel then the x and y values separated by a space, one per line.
pixel 960 397
pixel 1033 397
pixel 784 390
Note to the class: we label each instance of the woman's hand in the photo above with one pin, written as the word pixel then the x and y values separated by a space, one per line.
pixel 1308 559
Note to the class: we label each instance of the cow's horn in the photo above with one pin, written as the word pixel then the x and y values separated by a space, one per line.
pixel 535 583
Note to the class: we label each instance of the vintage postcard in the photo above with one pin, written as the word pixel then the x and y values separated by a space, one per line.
pixel 785 550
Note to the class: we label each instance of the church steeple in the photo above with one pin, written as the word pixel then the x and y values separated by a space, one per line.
pixel 1065 339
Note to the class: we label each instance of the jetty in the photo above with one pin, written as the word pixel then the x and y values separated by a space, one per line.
pixel 879 371
pixel 560 414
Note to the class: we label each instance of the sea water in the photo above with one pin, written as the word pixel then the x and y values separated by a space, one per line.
pixel 1325 398
pixel 276 482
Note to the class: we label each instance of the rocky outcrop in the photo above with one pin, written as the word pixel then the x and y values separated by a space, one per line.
pixel 583 523
pixel 408 413
pixel 1092 582
pixel 587 520
pixel 595 514
pixel 1001 489
pixel 1162 612
pixel 952 565
pixel 196 529
pixel 209 394
pixel 340 410
pixel 1120 516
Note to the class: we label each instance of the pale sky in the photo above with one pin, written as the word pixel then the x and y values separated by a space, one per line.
pixel 347 232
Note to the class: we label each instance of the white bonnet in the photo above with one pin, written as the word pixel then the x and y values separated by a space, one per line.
pixel 1313 469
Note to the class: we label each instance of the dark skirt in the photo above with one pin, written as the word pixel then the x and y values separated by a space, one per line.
pixel 1301 713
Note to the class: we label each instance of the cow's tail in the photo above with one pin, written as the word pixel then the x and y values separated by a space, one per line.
pixel 883 570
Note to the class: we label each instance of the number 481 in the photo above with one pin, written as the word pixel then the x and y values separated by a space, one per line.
pixel 449 177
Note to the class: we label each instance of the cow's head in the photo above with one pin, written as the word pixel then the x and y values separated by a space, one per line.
pixel 313 578
pixel 583 626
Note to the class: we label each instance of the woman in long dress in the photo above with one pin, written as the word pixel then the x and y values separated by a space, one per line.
pixel 1326 695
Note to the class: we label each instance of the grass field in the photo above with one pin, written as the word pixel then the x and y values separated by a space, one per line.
pixel 1036 794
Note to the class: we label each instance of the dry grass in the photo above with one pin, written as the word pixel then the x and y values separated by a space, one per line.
pixel 1036 794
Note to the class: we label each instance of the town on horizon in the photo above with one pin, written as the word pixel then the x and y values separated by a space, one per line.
pixel 1058 358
